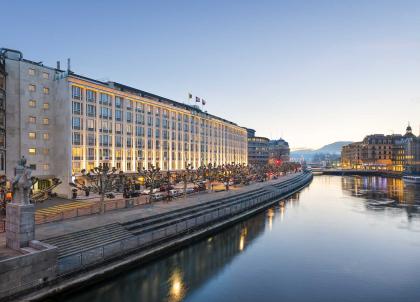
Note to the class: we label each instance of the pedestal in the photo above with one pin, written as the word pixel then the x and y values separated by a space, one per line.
pixel 20 225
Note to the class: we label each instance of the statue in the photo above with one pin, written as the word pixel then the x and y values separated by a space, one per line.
pixel 22 183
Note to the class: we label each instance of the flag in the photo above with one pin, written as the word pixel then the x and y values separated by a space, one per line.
pixel 203 101
pixel 190 96
pixel 197 99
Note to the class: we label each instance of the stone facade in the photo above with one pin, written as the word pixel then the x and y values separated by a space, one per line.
pixel 393 152
pixel 20 225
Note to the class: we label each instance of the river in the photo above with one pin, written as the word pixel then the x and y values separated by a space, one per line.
pixel 339 239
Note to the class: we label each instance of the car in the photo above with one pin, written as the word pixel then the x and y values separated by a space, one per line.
pixel 190 190
pixel 147 191
pixel 174 193
pixel 157 196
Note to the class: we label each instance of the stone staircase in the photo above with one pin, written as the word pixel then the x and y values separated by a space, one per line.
pixel 80 241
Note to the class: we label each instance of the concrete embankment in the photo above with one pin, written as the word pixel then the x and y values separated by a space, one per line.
pixel 91 255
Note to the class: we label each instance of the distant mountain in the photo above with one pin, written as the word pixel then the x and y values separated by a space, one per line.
pixel 334 148
pixel 308 154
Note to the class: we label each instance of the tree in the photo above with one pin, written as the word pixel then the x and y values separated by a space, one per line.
pixel 101 180
pixel 151 176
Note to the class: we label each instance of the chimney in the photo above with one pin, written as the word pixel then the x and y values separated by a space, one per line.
pixel 58 65
pixel 68 65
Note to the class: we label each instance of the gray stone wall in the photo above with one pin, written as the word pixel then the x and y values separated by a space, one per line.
pixel 36 267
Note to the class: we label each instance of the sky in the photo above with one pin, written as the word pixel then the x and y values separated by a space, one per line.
pixel 312 72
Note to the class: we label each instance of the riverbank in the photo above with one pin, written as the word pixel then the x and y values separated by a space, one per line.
pixel 117 242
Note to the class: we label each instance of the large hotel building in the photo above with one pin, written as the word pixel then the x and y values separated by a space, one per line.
pixel 63 122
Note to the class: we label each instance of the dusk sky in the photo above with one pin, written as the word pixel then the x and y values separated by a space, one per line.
pixel 313 72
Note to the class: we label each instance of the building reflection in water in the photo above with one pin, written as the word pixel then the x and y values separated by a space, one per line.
pixel 172 278
pixel 382 192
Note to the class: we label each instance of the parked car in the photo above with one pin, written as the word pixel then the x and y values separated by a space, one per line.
pixel 174 193
pixel 147 191
pixel 190 190
pixel 157 196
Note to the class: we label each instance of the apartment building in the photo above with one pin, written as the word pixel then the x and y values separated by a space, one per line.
pixel 63 123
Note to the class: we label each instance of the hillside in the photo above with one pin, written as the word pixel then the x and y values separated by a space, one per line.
pixel 307 154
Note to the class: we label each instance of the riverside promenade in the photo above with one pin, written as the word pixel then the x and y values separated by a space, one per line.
pixel 86 249
pixel 63 227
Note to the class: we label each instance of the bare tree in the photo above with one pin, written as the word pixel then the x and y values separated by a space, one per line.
pixel 151 176
pixel 101 180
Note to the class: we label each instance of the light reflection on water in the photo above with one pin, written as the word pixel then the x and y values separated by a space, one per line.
pixel 335 241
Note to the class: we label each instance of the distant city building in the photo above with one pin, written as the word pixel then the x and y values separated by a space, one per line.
pixel 394 152
pixel 257 149
pixel 63 123
pixel 278 151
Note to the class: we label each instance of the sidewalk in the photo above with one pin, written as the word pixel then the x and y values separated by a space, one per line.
pixel 58 228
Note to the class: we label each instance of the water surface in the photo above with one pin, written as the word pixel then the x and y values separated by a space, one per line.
pixel 340 239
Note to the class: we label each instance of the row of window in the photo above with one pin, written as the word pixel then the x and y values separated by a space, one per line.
pixel 32 88
pixel 32 104
pixel 34 151
pixel 32 120
pixel 32 72
pixel 33 135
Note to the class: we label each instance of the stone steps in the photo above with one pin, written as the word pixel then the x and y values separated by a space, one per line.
pixel 137 229
pixel 87 239
pixel 180 212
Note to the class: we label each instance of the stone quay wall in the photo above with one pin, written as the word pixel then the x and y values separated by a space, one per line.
pixel 36 267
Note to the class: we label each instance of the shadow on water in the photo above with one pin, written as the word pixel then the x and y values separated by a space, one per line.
pixel 171 278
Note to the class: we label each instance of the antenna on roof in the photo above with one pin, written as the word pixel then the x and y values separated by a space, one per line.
pixel 68 65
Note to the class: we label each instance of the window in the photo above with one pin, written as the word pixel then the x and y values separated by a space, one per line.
pixel 118 102
pixel 90 110
pixel 32 151
pixel 118 127
pixel 46 136
pixel 105 99
pixel 129 104
pixel 46 106
pixel 32 120
pixel 91 125
pixel 76 92
pixel 32 166
pixel 91 139
pixel 31 71
pixel 118 115
pixel 46 121
pixel 32 135
pixel 91 153
pixel 76 153
pixel 77 108
pixel 91 96
pixel 46 90
pixel 45 75
pixel 77 138
pixel 32 103
pixel 46 151
pixel 46 166
pixel 129 117
pixel 76 123
pixel 32 88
